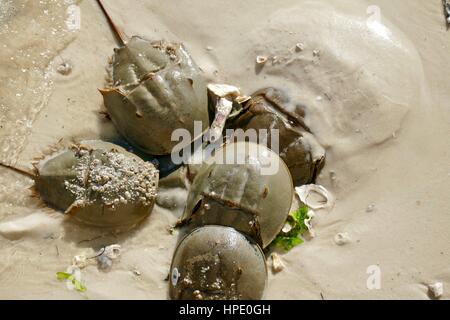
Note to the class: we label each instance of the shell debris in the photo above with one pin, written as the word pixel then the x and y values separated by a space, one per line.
pixel 308 195
pixel 261 59
pixel 308 223
pixel 107 255
pixel 277 263
pixel 64 68
pixel 224 96
pixel 299 47
pixel 436 290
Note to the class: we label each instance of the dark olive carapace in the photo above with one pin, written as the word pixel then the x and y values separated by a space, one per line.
pixel 296 145
pixel 217 263
pixel 99 184
pixel 157 88
pixel 252 192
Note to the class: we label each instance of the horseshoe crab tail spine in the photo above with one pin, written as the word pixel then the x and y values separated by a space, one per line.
pixel 119 34
pixel 24 172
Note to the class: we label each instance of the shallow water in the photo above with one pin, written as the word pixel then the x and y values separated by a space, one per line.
pixel 32 35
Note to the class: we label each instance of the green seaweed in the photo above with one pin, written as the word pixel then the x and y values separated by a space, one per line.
pixel 67 276
pixel 289 240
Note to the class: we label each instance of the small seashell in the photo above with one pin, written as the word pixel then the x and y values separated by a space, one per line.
pixel 308 193
pixel 436 290
pixel 277 263
pixel 261 59
pixel 136 272
pixel 287 227
pixel 299 47
pixel 112 252
pixel 64 69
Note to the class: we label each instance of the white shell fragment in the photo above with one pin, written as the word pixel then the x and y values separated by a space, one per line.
pixel 308 223
pixel 277 263
pixel 112 251
pixel 136 272
pixel 261 59
pixel 315 197
pixel 299 47
pixel 224 95
pixel 64 69
pixel 107 255
pixel 287 227
pixel 436 290
pixel 224 90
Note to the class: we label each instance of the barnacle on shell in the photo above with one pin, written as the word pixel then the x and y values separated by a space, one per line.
pixel 97 183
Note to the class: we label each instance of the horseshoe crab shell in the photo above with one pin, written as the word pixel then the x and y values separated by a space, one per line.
pixel 217 263
pixel 300 150
pixel 157 88
pixel 99 184
pixel 253 196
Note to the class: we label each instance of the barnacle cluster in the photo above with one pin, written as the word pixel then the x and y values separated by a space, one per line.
pixel 112 178
pixel 98 183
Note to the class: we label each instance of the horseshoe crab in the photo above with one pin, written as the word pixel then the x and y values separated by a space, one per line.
pixel 245 186
pixel 299 149
pixel 217 263
pixel 156 88
pixel 97 183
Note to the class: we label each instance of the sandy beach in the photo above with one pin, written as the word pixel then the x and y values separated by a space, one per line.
pixel 372 76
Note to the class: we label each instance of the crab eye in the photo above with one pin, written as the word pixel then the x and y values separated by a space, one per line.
pixel 175 276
